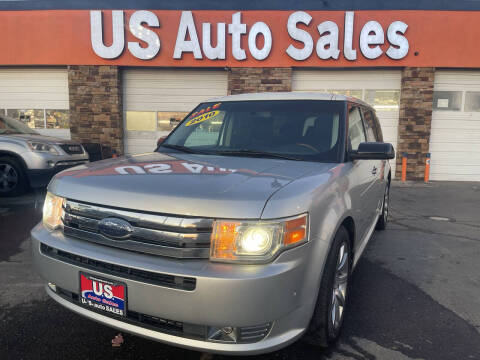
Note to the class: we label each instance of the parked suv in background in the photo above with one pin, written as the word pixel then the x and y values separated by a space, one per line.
pixel 30 159
pixel 238 235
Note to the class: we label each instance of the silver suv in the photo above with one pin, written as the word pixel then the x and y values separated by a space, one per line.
pixel 30 159
pixel 238 235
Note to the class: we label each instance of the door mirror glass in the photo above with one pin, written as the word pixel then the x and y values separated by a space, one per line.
pixel 373 151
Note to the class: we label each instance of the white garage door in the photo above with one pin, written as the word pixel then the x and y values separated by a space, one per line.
pixel 38 97
pixel 455 134
pixel 155 100
pixel 380 88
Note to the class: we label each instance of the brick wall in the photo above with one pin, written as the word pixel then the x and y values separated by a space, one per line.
pixel 96 105
pixel 416 103
pixel 249 80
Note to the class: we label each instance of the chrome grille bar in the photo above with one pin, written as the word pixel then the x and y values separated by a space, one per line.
pixel 163 235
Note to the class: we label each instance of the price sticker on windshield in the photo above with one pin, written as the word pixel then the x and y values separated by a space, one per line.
pixel 202 118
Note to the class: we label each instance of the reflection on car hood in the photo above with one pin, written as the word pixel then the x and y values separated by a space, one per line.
pixel 42 138
pixel 183 184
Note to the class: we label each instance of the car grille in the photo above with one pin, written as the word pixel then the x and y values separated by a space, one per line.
pixel 72 149
pixel 166 280
pixel 165 235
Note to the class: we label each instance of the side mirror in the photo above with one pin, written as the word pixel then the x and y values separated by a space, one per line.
pixel 373 151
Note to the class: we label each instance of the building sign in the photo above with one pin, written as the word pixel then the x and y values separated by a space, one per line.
pixel 371 36
pixel 207 38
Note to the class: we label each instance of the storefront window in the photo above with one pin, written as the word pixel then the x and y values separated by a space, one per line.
pixel 58 119
pixel 472 101
pixel 167 120
pixel 141 120
pixel 35 118
pixel 447 100
pixel 383 100
pixel 354 93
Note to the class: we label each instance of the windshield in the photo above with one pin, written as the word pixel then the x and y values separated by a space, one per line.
pixel 12 126
pixel 292 129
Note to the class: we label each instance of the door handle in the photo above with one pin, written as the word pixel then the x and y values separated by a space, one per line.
pixel 374 171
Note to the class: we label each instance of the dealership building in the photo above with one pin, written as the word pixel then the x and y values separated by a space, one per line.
pixel 123 73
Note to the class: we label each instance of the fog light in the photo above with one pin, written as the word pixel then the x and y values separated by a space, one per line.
pixel 51 163
pixel 52 287
pixel 226 334
pixel 227 330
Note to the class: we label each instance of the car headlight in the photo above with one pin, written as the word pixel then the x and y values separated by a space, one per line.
pixel 43 147
pixel 256 241
pixel 52 211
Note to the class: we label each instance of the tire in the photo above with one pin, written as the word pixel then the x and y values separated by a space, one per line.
pixel 383 219
pixel 326 322
pixel 13 180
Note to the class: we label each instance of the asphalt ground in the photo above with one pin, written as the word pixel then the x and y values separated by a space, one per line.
pixel 415 293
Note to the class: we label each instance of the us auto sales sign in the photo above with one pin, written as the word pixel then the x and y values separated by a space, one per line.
pixel 247 38
pixel 196 38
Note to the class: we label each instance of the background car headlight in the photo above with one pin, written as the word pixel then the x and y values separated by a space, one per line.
pixel 43 147
pixel 52 211
pixel 256 241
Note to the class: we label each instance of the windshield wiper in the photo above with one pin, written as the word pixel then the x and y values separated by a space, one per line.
pixel 256 153
pixel 181 148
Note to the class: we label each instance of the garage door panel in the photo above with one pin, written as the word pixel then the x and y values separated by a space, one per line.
pixel 390 135
pixel 166 90
pixel 315 80
pixel 455 157
pixel 29 93
pixel 453 124
pixel 464 147
pixel 464 170
pixel 455 135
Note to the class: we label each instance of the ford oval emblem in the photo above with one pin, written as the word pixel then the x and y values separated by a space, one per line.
pixel 115 228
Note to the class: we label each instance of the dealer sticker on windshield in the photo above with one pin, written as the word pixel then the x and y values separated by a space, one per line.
pixel 202 118
pixel 103 295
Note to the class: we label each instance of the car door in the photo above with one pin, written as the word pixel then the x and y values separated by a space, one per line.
pixel 378 166
pixel 363 181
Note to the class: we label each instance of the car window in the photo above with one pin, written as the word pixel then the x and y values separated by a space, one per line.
pixel 356 132
pixel 305 129
pixel 369 122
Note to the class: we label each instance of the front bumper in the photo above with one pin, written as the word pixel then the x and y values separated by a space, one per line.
pixel 41 177
pixel 225 295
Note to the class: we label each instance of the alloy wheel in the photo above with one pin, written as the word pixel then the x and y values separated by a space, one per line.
pixel 8 177
pixel 339 292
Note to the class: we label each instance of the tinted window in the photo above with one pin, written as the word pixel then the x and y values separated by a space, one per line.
pixel 356 133
pixel 306 130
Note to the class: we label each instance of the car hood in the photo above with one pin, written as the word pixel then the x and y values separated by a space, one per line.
pixel 42 138
pixel 183 184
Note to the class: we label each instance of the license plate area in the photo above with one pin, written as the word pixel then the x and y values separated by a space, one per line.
pixel 103 295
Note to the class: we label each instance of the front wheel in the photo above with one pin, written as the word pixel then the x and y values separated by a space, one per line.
pixel 13 181
pixel 327 319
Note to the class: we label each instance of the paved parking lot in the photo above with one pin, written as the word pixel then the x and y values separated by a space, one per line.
pixel 415 294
